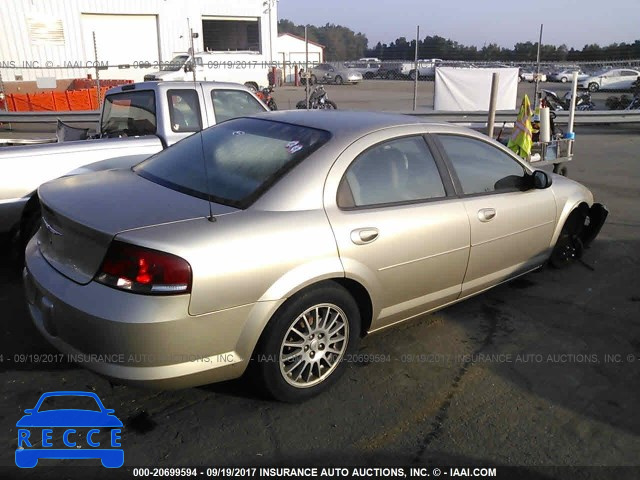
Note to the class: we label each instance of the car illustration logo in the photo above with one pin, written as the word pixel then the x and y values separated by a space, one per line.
pixel 51 430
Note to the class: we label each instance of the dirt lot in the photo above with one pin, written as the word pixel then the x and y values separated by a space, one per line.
pixel 544 371
pixel 397 95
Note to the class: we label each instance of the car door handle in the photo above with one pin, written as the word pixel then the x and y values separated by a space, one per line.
pixel 362 236
pixel 486 214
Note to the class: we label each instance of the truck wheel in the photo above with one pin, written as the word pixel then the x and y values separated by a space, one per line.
pixel 594 87
pixel 302 350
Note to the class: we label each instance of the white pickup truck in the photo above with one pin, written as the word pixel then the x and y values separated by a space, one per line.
pixel 217 66
pixel 137 120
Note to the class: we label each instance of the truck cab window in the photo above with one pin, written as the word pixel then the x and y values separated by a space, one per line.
pixel 129 113
pixel 184 110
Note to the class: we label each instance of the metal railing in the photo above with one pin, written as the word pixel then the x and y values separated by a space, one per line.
pixel 581 117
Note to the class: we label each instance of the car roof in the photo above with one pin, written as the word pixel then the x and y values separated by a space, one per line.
pixel 341 123
pixel 164 86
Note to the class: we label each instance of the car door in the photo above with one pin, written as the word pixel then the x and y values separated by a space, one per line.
pixel 609 80
pixel 627 77
pixel 511 225
pixel 399 229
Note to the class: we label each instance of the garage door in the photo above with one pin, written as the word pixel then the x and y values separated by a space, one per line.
pixel 139 44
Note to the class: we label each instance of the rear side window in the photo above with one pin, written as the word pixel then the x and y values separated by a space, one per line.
pixel 229 104
pixel 184 110
pixel 235 162
pixel 131 113
pixel 395 171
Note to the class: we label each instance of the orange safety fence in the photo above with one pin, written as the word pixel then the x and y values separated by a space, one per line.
pixel 69 100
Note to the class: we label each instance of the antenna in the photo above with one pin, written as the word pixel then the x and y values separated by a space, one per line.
pixel 192 52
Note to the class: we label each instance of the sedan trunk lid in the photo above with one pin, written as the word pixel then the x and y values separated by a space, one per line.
pixel 82 214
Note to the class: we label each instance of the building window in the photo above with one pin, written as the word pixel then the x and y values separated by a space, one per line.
pixel 223 34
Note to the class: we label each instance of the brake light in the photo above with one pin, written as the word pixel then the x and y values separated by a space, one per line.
pixel 142 270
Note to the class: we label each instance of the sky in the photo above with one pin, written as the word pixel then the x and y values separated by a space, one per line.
pixel 476 22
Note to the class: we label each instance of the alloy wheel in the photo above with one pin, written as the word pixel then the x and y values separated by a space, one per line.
pixel 314 345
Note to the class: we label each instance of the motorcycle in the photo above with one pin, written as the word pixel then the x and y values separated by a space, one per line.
pixel 318 99
pixel 583 101
pixel 635 101
pixel 264 94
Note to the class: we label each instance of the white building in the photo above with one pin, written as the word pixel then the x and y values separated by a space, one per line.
pixel 290 51
pixel 54 38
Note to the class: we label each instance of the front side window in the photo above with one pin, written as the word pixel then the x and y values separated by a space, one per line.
pixel 396 171
pixel 131 113
pixel 184 110
pixel 235 162
pixel 234 103
pixel 482 168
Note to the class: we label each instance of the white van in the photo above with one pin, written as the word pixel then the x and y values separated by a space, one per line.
pixel 234 67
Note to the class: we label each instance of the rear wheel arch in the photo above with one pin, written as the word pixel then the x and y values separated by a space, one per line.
pixel 330 293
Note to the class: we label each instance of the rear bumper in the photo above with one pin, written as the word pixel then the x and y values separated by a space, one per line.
pixel 137 339
pixel 597 215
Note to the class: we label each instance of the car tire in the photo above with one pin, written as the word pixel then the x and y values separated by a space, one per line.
pixel 568 247
pixel 563 79
pixel 338 80
pixel 594 87
pixel 295 332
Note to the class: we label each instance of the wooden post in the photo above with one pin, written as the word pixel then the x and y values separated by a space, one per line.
pixel 495 80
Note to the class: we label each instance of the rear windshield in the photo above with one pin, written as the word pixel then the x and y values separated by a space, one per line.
pixel 130 113
pixel 234 162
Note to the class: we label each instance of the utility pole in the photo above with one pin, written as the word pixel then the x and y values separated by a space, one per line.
pixel 306 67
pixel 535 95
pixel 270 4
pixel 415 70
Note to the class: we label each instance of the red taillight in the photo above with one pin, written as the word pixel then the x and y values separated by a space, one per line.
pixel 143 270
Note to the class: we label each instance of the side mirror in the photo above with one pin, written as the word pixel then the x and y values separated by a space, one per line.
pixel 541 179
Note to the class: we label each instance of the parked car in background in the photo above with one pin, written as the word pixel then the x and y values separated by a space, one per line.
pixel 615 79
pixel 565 75
pixel 393 71
pixel 426 68
pixel 273 243
pixel 367 68
pixel 530 76
pixel 327 73
pixel 137 120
